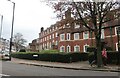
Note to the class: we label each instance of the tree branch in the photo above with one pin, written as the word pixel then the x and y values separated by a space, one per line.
pixel 82 19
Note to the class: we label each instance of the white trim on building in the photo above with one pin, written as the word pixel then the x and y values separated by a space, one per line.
pixel 68 36
pixel 62 37
pixel 76 36
pixel 53 35
pixel 56 34
pixel 85 47
pixel 85 35
pixel 76 26
pixel 62 48
pixel 68 48
pixel 116 46
pixel 76 48
pixel 102 34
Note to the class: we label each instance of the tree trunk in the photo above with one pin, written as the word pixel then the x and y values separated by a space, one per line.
pixel 99 54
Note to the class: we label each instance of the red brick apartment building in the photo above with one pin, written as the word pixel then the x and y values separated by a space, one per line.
pixel 68 35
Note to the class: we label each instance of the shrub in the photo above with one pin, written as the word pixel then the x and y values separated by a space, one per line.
pixel 49 51
pixel 22 50
pixel 91 49
pixel 108 48
pixel 65 57
pixel 53 57
pixel 112 57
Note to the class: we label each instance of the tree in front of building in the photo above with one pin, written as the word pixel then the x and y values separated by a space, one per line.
pixel 19 41
pixel 92 15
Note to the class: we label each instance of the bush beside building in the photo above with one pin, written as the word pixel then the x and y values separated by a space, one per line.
pixel 52 57
pixel 63 57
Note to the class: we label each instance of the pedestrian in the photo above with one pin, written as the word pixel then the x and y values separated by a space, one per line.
pixel 94 60
pixel 91 57
pixel 104 56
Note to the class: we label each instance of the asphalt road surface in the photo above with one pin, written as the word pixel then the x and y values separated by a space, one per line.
pixel 15 70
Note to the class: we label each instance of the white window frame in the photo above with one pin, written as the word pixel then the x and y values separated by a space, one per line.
pixel 102 34
pixel 85 47
pixel 116 46
pixel 68 50
pixel 62 35
pixel 75 50
pixel 116 30
pixel 76 34
pixel 68 36
pixel 56 34
pixel 45 38
pixel 85 35
pixel 53 35
pixel 50 44
pixel 50 36
pixel 62 48
pixel 56 42
pixel 76 26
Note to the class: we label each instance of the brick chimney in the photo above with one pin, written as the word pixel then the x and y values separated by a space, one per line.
pixel 68 14
pixel 42 29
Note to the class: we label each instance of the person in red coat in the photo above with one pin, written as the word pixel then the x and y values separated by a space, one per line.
pixel 104 56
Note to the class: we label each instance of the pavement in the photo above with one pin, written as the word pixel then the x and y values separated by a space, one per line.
pixel 83 65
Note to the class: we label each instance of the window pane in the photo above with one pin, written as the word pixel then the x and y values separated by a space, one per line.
pixel 68 36
pixel 85 48
pixel 62 37
pixel 76 36
pixel 62 49
pixel 76 49
pixel 86 36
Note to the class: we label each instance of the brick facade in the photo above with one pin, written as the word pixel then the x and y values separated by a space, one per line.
pixel 69 35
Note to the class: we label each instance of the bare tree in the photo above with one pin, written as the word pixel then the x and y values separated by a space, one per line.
pixel 96 12
pixel 19 41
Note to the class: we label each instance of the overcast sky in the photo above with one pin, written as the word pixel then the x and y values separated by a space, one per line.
pixel 30 16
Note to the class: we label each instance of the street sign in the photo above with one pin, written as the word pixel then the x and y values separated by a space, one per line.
pixel 35 55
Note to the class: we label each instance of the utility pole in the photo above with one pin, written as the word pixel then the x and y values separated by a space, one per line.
pixel 1 26
pixel 11 39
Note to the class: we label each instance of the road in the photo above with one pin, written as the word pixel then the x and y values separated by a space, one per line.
pixel 14 69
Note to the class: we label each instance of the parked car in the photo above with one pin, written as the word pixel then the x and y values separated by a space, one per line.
pixel 5 55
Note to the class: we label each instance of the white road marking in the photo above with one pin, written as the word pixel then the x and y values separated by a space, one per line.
pixel 4 75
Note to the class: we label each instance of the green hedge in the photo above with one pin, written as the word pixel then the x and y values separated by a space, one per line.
pixel 49 51
pixel 53 57
pixel 112 57
pixel 91 49
pixel 64 57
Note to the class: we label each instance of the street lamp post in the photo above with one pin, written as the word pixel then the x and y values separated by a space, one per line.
pixel 11 30
pixel 1 25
